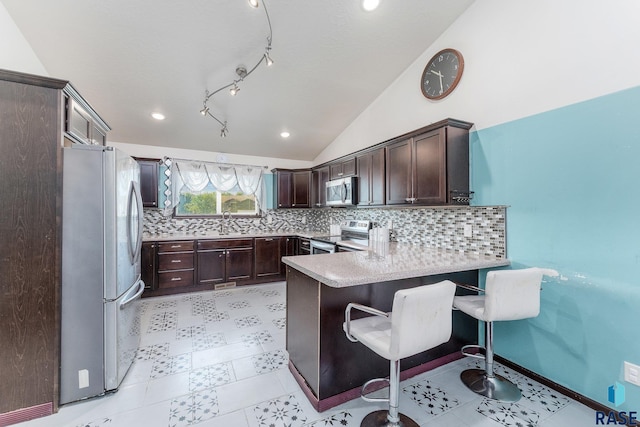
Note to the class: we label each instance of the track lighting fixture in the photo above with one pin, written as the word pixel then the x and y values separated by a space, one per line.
pixel 242 73
pixel 235 89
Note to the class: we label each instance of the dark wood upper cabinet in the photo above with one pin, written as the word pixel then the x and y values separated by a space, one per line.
pixel 292 188
pixel 82 124
pixel 371 178
pixel 301 189
pixel 430 167
pixel 319 179
pixel 343 168
pixel 149 181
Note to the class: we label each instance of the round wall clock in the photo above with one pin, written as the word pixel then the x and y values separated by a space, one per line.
pixel 442 74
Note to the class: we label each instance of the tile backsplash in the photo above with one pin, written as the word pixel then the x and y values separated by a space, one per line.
pixel 440 227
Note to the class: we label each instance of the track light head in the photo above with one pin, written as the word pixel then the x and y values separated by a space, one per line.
pixel 254 3
pixel 224 131
pixel 268 59
pixel 234 90
pixel 204 110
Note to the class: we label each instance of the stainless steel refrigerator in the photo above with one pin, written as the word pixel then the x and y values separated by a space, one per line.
pixel 101 285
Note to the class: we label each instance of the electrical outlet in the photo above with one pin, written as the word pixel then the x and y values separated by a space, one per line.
pixel 632 373
pixel 269 219
pixel 468 230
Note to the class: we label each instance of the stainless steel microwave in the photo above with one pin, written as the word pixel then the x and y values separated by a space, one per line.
pixel 342 192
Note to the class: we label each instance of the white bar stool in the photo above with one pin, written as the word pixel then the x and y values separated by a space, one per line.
pixel 420 319
pixel 508 295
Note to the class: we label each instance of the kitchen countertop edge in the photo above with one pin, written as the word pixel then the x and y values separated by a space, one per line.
pixel 346 269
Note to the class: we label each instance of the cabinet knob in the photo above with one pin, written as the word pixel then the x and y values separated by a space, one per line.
pixel 176 260
pixel 176 279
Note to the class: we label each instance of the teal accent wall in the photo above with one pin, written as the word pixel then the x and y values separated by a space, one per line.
pixel 571 179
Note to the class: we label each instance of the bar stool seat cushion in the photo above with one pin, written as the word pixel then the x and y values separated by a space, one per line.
pixel 375 333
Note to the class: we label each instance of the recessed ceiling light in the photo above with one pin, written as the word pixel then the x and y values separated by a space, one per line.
pixel 157 116
pixel 370 5
pixel 285 134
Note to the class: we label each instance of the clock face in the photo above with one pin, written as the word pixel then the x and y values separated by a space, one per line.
pixel 442 74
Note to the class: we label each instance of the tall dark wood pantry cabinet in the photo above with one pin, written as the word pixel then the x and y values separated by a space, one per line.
pixel 36 119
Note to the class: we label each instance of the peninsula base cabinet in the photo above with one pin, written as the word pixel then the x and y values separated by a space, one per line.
pixel 330 368
pixel 198 265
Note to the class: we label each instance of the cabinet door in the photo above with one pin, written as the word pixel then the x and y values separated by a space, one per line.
pixel 364 180
pixel 343 169
pixel 398 172
pixel 148 266
pixel 98 136
pixel 268 255
pixel 149 182
pixel 239 264
pixel 371 178
pixel 283 189
pixel 212 266
pixel 78 122
pixel 429 168
pixel 319 179
pixel 377 179
pixel 301 187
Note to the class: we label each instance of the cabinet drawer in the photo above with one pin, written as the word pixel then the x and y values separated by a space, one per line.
pixel 175 279
pixel 224 243
pixel 175 261
pixel 175 246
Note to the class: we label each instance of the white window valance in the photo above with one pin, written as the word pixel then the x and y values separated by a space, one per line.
pixel 196 176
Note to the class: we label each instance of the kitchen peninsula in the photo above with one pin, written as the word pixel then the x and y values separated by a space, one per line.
pixel 329 368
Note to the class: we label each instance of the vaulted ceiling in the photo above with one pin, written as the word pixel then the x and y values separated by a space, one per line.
pixel 131 58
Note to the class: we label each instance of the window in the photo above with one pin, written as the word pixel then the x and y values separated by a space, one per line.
pixel 212 202
pixel 209 189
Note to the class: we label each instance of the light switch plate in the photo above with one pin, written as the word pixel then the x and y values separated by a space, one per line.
pixel 468 230
pixel 632 373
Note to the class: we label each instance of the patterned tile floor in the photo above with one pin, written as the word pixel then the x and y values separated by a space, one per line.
pixel 218 359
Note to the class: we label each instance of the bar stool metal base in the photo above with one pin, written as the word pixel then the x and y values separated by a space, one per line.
pixel 497 388
pixel 379 419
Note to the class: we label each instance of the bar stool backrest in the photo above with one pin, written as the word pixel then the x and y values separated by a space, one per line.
pixel 513 294
pixel 421 318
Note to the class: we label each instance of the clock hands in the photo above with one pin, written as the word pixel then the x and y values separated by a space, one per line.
pixel 439 74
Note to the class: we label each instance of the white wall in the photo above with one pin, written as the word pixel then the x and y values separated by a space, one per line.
pixel 138 150
pixel 521 58
pixel 15 52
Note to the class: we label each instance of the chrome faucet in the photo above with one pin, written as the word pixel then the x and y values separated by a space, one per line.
pixel 224 224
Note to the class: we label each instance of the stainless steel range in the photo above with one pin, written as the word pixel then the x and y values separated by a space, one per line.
pixel 351 231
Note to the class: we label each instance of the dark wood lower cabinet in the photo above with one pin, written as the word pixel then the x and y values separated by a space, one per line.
pixel 211 266
pixel 196 265
pixel 268 255
pixel 149 266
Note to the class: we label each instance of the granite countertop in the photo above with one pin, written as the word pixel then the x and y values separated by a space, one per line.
pixel 198 235
pixel 394 261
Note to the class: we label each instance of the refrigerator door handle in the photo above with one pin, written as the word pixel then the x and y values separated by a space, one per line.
pixel 134 246
pixel 135 296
